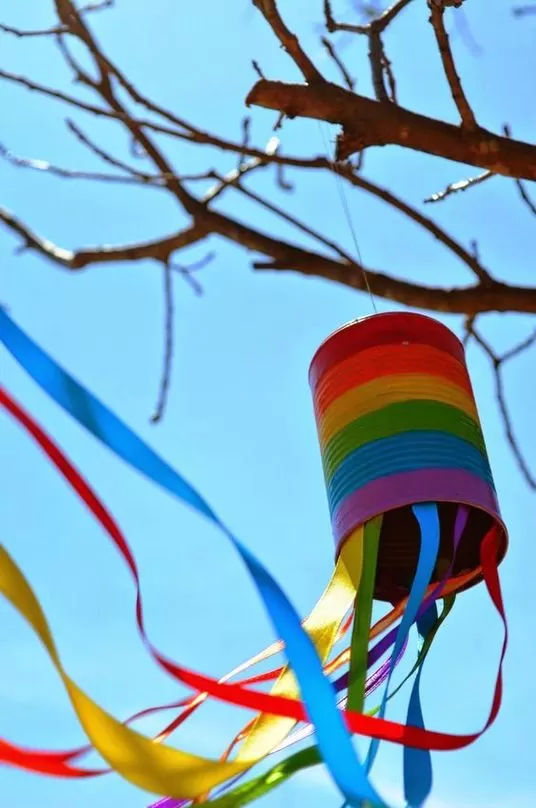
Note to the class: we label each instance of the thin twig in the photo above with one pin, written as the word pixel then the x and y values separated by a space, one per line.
pixel 348 80
pixel 389 73
pixel 468 300
pixel 524 11
pixel 257 68
pixel 289 41
pixel 377 65
pixel 281 179
pixel 135 178
pixel 193 135
pixel 168 346
pixel 437 12
pixel 21 34
pixel 472 261
pixel 104 155
pixel 378 23
pixel 230 179
pixel 86 107
pixel 297 223
pixel 246 135
pixel 72 174
pixel 186 272
pixel 56 29
pixel 74 260
pixel 464 185
pixel 461 185
pixel 507 129
pixel 498 363
pixel 525 196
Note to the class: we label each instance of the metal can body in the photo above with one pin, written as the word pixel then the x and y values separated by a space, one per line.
pixel 398 424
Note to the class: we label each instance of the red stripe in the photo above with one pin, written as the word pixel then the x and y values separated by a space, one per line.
pixel 390 328
pixel 392 360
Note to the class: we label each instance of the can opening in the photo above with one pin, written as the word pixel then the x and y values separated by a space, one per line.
pixel 400 544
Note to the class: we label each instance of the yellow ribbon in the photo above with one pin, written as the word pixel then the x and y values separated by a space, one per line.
pixel 139 759
pixel 322 625
pixel 173 772
pixel 148 765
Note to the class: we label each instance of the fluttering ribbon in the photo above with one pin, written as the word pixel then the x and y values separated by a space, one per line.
pixel 333 591
pixel 187 774
pixel 332 596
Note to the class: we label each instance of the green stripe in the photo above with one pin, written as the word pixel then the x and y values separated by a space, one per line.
pixel 306 758
pixel 395 419
pixel 362 615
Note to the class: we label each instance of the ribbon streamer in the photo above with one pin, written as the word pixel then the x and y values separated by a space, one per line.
pixel 319 703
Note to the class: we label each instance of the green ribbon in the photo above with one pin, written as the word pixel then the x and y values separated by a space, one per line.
pixel 306 758
pixel 362 616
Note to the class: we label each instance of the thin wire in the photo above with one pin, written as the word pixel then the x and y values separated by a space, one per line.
pixel 347 213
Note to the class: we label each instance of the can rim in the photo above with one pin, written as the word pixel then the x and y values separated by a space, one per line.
pixel 398 315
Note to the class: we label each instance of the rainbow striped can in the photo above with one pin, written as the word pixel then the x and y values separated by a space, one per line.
pixel 398 425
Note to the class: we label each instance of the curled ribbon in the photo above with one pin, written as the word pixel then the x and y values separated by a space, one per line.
pixel 169 771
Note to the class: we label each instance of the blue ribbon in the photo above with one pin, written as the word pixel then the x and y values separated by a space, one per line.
pixel 333 738
pixel 418 762
pixel 428 518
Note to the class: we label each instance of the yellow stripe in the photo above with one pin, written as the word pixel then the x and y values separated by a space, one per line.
pixel 322 625
pixel 380 393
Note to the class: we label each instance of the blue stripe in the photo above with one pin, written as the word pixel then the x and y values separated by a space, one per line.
pixel 409 451
pixel 317 692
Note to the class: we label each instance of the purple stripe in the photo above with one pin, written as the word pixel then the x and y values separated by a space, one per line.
pixel 397 490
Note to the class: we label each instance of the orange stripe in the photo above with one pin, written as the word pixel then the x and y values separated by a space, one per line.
pixel 387 361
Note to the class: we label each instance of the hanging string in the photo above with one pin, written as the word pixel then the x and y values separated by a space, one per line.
pixel 346 208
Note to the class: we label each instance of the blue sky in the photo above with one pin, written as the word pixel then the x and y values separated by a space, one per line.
pixel 239 422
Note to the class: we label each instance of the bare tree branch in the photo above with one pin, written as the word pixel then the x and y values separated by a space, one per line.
pixel 495 296
pixel 348 80
pixel 498 363
pixel 364 122
pixel 461 185
pixel 370 123
pixel 437 11
pixel 83 105
pixel 412 213
pixel 378 23
pixel 376 65
pixel 136 177
pixel 105 156
pixel 232 178
pixel 159 250
pixel 57 29
pixel 73 174
pixel 379 63
pixel 192 135
pixel 523 193
pixel 289 41
pixel 168 345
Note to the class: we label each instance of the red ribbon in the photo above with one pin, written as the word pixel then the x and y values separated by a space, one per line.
pixel 58 763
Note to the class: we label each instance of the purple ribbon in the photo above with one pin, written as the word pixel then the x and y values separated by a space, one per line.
pixel 379 676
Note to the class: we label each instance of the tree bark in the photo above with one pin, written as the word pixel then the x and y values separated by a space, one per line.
pixel 366 122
